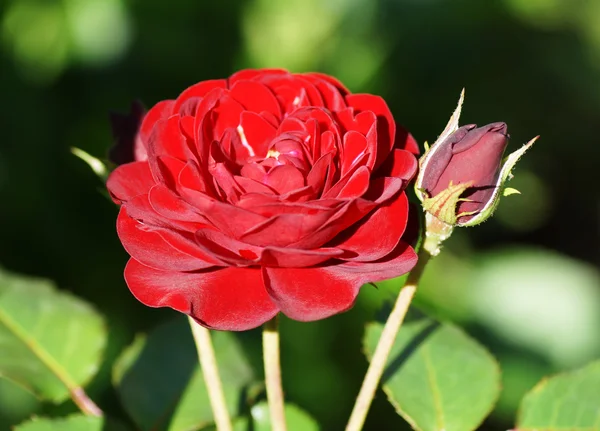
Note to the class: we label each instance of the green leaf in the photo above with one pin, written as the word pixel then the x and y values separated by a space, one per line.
pixel 296 418
pixel 161 385
pixel 568 401
pixel 72 423
pixel 437 377
pixel 239 424
pixel 51 342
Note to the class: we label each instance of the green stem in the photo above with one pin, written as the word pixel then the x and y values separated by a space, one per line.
pixel 210 371
pixel 434 233
pixel 273 374
pixel 384 346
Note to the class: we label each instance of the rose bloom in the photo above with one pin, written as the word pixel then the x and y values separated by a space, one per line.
pixel 266 192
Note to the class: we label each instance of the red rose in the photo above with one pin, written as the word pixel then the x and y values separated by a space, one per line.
pixel 264 192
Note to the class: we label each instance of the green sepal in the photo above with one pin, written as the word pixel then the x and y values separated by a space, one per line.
pixel 100 167
pixel 450 128
pixel 501 189
pixel 443 205
pixel 510 191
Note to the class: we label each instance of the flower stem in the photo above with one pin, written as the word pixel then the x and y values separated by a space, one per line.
pixel 85 403
pixel 273 374
pixel 384 346
pixel 208 362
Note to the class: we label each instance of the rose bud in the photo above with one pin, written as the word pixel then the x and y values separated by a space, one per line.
pixel 463 174
pixel 470 156
pixel 125 128
pixel 262 193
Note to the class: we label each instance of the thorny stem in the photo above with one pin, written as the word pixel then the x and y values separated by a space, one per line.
pixel 273 374
pixel 208 362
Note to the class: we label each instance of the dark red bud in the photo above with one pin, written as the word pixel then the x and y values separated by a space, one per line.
pixel 125 127
pixel 471 154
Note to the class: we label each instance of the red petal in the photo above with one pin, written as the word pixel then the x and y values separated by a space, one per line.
pixel 256 74
pixel 361 123
pixel 257 131
pixel 192 177
pixel 318 173
pixel 353 148
pixel 139 208
pixel 284 229
pixel 255 97
pixel 406 141
pixel 293 91
pixel 307 294
pixel 150 248
pixel 169 205
pixel 349 176
pixel 380 190
pixel 378 234
pixel 295 258
pixel 284 178
pixel 224 115
pixel 198 90
pixel 334 100
pixel 229 299
pixel 230 219
pixel 400 261
pixel 312 76
pixel 386 127
pixel 130 180
pixel 401 164
pixel 252 186
pixel 168 140
pixel 166 170
pixel 357 185
pixel 227 249
pixel 160 111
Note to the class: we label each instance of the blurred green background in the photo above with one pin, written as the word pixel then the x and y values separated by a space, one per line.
pixel 526 284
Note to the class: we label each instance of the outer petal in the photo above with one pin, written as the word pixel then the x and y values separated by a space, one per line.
pixel 160 111
pixel 257 74
pixel 198 90
pixel 400 261
pixel 230 299
pixel 313 76
pixel 377 235
pixel 150 247
pixel 400 163
pixel 307 294
pixel 129 180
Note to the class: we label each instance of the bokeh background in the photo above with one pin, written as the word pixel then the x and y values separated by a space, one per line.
pixel 526 283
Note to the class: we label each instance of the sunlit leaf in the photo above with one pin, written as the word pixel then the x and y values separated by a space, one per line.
pixel 240 424
pixel 160 383
pixel 568 401
pixel 51 342
pixel 71 423
pixel 437 377
pixel 296 418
